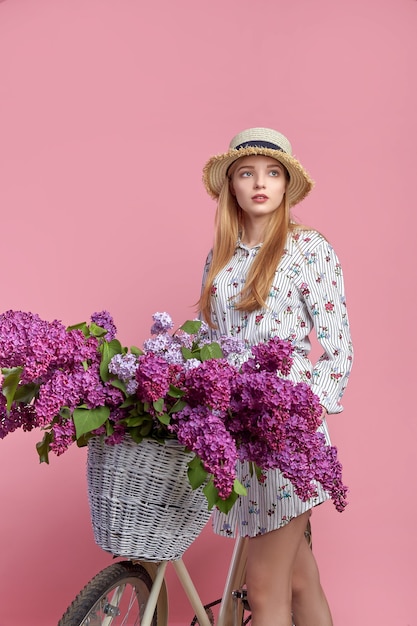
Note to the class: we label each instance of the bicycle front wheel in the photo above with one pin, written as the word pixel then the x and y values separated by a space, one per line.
pixel 117 595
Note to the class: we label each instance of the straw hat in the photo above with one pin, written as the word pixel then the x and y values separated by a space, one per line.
pixel 266 142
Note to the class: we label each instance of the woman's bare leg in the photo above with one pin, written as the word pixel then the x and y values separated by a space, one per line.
pixel 271 559
pixel 309 603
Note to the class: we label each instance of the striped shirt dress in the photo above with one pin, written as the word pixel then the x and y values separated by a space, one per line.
pixel 307 294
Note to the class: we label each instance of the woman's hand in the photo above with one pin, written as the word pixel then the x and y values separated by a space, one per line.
pixel 323 412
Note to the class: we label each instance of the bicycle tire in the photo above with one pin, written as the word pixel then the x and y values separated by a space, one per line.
pixel 93 605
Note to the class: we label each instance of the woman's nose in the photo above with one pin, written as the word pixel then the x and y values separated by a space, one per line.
pixel 260 183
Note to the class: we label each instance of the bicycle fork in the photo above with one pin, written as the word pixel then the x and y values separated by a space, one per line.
pixel 188 586
pixel 232 604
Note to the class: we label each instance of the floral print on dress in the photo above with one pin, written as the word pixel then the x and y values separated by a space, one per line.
pixel 258 319
pixel 284 492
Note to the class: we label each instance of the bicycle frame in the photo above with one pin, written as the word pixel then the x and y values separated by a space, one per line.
pixel 230 612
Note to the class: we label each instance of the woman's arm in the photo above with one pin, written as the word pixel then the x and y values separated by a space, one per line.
pixel 326 304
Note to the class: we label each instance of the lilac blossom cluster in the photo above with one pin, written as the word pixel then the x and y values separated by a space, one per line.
pixel 61 370
pixel 105 320
pixel 203 431
pixel 271 420
pixel 182 385
pixel 37 346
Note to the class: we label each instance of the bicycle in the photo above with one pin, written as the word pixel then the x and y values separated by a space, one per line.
pixel 135 593
pixel 142 504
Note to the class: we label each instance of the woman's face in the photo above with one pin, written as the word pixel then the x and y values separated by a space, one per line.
pixel 259 184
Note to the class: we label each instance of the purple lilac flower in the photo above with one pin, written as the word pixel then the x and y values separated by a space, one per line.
pixel 29 342
pixel 63 436
pixel 162 323
pixel 64 388
pixel 306 404
pixel 152 376
pixel 132 387
pixel 259 391
pixel 210 384
pixel 203 331
pixel 119 429
pixel 166 346
pixel 274 422
pixel 306 457
pixel 41 347
pixel 117 436
pixel 231 345
pixel 177 375
pixel 113 397
pixel 18 417
pixel 105 320
pixel 76 349
pixel 158 344
pixel 183 339
pixel 204 433
pixel 190 364
pixel 92 388
pixel 124 366
pixel 174 355
pixel 273 356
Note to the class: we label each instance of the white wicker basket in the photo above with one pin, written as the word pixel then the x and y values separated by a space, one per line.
pixel 142 505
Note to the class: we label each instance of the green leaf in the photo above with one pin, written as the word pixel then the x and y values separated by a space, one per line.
pixel 26 393
pixel 132 422
pixel 197 475
pixel 128 402
pixel 109 428
pixel 86 420
pixel 224 506
pixel 175 392
pixel 258 471
pixel 178 406
pixel 83 440
pixel 136 351
pixel 191 326
pixel 213 498
pixel 97 331
pixel 211 351
pixel 136 435
pixel 186 353
pixel 119 384
pixel 81 326
pixel 239 488
pixel 10 382
pixel 211 493
pixel 146 428
pixel 158 405
pixel 43 447
pixel 164 418
pixel 65 413
pixel 108 350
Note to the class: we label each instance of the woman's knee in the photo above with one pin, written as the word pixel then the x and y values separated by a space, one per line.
pixel 305 574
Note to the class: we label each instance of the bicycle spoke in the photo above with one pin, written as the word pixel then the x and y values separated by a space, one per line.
pixel 116 597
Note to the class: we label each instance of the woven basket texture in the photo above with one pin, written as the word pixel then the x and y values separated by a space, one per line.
pixel 141 503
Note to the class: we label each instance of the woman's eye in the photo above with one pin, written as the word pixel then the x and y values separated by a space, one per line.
pixel 246 174
pixel 274 172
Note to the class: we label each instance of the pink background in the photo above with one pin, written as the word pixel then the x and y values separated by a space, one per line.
pixel 109 110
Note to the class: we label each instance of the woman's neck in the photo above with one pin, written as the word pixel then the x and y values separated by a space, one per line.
pixel 253 234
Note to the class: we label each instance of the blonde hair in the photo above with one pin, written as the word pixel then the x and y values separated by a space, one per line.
pixel 228 228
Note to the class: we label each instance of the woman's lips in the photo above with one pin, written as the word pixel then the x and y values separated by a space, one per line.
pixel 260 197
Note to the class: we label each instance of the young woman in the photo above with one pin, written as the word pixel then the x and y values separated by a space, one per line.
pixel 269 276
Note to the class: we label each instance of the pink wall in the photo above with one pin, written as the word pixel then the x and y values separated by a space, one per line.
pixel 108 112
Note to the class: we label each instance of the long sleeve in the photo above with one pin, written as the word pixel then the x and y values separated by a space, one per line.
pixel 323 291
